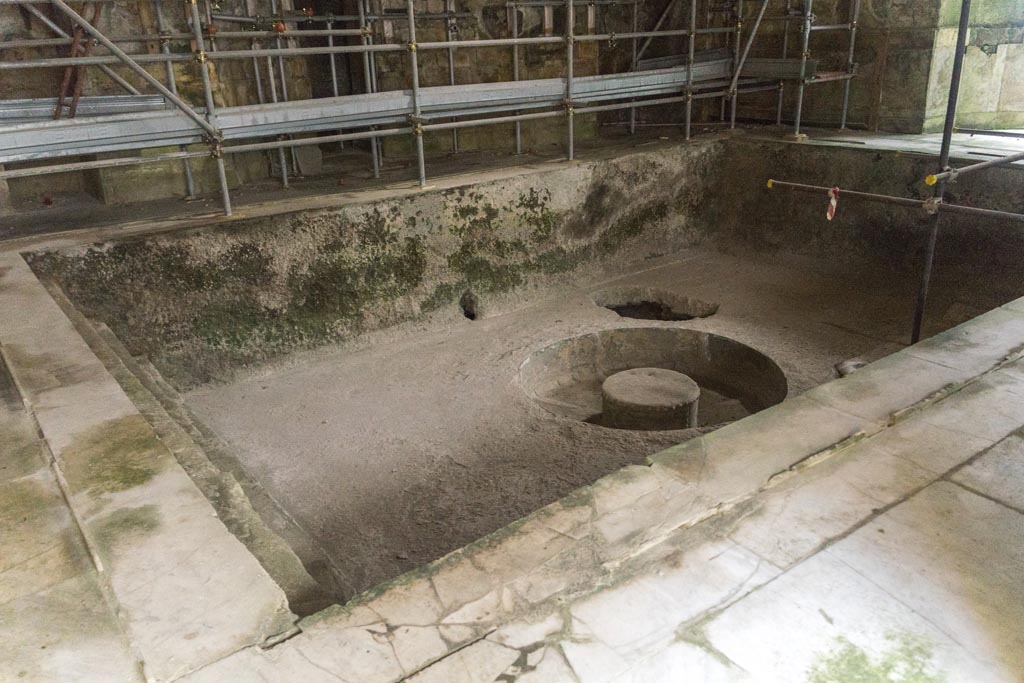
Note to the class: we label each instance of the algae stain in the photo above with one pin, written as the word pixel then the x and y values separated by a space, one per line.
pixel 907 661
pixel 202 313
pixel 22 499
pixel 534 213
pixel 114 456
pixel 442 295
pixel 125 524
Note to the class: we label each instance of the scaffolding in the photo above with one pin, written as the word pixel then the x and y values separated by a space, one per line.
pixel 936 206
pixel 706 70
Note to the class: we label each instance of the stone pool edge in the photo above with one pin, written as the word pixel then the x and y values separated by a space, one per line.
pixel 589 541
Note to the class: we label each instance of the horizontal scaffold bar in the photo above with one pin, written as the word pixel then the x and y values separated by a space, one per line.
pixel 929 205
pixel 91 135
pixel 347 137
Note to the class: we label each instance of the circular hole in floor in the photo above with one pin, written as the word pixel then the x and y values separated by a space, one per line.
pixel 570 378
pixel 649 303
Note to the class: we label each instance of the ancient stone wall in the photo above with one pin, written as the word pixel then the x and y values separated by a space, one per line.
pixel 992 84
pixel 206 303
pixel 982 254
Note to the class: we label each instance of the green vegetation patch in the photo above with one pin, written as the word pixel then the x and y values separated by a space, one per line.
pixel 125 525
pixel 907 661
pixel 115 456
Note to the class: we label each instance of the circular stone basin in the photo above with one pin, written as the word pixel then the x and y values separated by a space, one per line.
pixel 649 399
pixel 735 380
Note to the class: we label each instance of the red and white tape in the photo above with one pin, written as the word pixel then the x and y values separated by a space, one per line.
pixel 833 200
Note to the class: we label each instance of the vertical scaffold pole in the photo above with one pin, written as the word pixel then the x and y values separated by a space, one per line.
pixel 515 71
pixel 172 84
pixel 805 43
pixel 272 81
pixel 284 91
pixel 634 60
pixel 735 64
pixel 850 65
pixel 417 122
pixel 691 51
pixel 940 187
pixel 449 32
pixel 785 51
pixel 369 77
pixel 570 39
pixel 211 113
pixel 334 66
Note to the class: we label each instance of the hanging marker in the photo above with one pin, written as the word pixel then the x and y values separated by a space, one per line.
pixel 833 200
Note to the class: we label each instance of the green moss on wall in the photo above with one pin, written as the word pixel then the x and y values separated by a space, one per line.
pixel 205 303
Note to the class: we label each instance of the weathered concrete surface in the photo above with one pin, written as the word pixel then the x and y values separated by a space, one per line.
pixel 802 544
pixel 980 255
pixel 187 592
pixel 220 299
pixel 408 448
pixel 992 87
pixel 54 614
pixel 649 398
pixel 206 304
pixel 928 588
pixel 997 473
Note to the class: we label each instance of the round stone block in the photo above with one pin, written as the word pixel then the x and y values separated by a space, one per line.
pixel 649 399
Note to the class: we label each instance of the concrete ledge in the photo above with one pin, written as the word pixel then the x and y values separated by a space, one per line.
pixel 186 590
pixel 50 595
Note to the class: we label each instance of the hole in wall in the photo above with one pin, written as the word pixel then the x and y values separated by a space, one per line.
pixel 570 378
pixel 647 303
pixel 469 304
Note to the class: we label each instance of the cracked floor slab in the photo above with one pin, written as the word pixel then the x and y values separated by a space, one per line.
pixel 932 585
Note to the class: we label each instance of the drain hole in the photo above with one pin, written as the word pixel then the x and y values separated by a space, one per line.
pixel 649 310
pixel 644 303
pixel 469 304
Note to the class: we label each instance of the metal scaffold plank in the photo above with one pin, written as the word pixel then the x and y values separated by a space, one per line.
pixel 142 130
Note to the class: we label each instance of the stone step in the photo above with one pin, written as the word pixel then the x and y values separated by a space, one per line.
pixel 44 559
pixel 185 589
pixel 316 561
pixel 162 407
